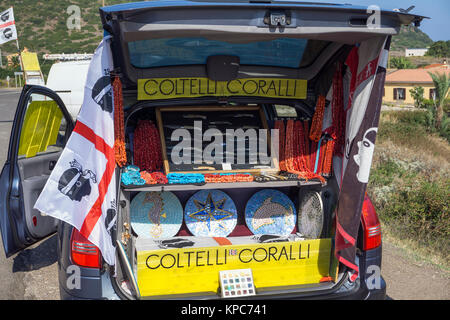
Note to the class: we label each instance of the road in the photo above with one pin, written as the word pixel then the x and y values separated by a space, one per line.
pixel 32 274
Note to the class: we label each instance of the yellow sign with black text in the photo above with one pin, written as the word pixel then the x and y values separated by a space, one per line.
pixel 172 88
pixel 196 270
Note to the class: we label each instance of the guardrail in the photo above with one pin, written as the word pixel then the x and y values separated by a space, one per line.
pixel 68 57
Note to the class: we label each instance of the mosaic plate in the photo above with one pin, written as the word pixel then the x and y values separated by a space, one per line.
pixel 311 215
pixel 270 212
pixel 156 215
pixel 210 213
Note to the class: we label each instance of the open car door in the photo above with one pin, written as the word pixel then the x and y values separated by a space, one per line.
pixel 39 133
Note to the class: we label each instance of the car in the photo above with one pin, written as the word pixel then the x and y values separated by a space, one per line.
pixel 70 89
pixel 185 43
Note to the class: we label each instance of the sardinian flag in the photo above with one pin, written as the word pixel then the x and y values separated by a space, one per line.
pixel 8 29
pixel 81 190
pixel 363 93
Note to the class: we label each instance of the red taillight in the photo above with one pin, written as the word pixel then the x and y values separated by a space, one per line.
pixel 371 225
pixel 83 252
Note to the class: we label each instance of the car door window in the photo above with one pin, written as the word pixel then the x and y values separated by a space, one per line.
pixel 44 127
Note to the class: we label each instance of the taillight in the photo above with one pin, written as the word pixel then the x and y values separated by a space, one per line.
pixel 371 226
pixel 83 252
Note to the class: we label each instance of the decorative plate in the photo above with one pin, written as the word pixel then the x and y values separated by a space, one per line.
pixel 210 213
pixel 270 212
pixel 156 215
pixel 310 215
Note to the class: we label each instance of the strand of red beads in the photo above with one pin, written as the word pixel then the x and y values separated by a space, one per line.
pixel 229 178
pixel 328 161
pixel 119 125
pixel 147 147
pixel 317 122
pixel 279 125
pixel 293 165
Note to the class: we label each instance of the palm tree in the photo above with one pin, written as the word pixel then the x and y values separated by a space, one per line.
pixel 442 85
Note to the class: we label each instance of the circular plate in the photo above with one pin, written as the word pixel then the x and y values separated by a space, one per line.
pixel 270 212
pixel 310 220
pixel 156 215
pixel 210 213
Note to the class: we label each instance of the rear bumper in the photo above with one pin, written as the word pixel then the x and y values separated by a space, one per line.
pixel 95 285
pixel 348 291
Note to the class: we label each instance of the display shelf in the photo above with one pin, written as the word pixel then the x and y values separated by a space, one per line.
pixel 209 186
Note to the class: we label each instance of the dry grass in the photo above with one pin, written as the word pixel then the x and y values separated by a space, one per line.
pixel 410 185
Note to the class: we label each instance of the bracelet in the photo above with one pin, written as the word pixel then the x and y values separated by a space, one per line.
pixel 228 177
pixel 185 178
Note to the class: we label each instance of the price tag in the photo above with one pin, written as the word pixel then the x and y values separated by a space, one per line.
pixel 226 167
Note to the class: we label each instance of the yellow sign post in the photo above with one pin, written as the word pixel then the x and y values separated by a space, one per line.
pixel 30 61
pixel 196 270
pixel 172 88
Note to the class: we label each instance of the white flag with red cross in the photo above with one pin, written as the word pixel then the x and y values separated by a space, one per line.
pixel 81 190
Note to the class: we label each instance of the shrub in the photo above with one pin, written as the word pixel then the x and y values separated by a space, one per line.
pixel 410 181
pixel 402 63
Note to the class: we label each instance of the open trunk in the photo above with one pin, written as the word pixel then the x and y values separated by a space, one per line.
pixel 186 265
pixel 212 62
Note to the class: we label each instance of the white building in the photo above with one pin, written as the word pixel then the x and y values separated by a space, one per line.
pixel 415 52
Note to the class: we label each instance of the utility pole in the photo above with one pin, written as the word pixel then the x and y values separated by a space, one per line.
pixel 1 59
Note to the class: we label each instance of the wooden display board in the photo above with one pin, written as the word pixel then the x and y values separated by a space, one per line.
pixel 215 117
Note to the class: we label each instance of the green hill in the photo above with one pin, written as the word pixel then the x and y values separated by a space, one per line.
pixel 410 37
pixel 42 25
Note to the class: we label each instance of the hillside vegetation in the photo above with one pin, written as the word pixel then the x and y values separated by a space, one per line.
pixel 42 25
pixel 412 38
pixel 410 185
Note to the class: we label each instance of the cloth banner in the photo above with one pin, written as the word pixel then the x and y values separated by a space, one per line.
pixel 8 29
pixel 81 190
pixel 363 93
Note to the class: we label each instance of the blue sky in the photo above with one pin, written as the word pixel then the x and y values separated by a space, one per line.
pixel 438 28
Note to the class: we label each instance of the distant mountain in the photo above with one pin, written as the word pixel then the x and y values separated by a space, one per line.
pixel 412 38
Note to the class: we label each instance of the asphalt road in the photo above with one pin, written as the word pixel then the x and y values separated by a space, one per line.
pixel 32 274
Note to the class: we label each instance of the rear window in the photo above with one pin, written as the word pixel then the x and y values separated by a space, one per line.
pixel 285 52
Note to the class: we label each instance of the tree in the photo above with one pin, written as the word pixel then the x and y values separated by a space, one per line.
pixel 417 94
pixel 401 63
pixel 442 84
pixel 439 49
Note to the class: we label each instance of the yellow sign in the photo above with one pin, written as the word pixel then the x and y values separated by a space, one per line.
pixel 196 270
pixel 30 61
pixel 40 127
pixel 171 88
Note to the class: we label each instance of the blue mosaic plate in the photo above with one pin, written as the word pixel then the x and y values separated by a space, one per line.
pixel 210 213
pixel 270 212
pixel 156 215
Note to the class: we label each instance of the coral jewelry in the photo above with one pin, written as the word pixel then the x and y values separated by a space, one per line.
pixel 228 178
pixel 317 122
pixel 119 126
pixel 296 159
pixel 147 147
